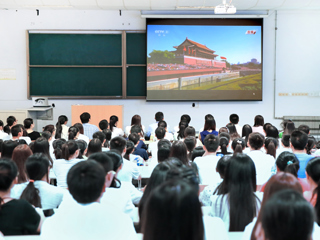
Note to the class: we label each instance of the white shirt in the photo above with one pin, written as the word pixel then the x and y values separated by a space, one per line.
pixel 84 138
pixel 214 228
pixel 207 169
pixel 116 132
pixel 27 139
pixel 50 195
pixel 128 171
pixel 264 164
pixel 258 129
pixel 135 194
pixel 4 136
pixel 64 132
pixel 153 148
pixel 61 168
pixel 88 221
pixel 168 136
pixel 238 128
pixel 281 150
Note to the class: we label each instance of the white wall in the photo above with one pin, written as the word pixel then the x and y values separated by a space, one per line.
pixel 13 94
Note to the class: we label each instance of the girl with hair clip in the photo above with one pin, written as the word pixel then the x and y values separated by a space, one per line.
pixel 135 120
pixel 38 191
pixel 313 178
pixel 271 145
pixel 238 145
pixel 73 133
pixel 277 183
pixel 61 127
pixel 69 154
pixel 17 217
pixel 19 156
pixel 113 123
pixel 246 130
pixel 237 189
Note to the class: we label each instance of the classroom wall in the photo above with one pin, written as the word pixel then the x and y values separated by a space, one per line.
pixel 13 94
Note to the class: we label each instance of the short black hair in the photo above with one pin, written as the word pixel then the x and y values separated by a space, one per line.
pixel 15 130
pixel 118 143
pixel 164 143
pixel 299 140
pixel 86 181
pixel 256 140
pixel 11 120
pixel 135 129
pixel 134 137
pixel 234 118
pixel 211 142
pixel 46 134
pixel 185 117
pixel 163 154
pixel 159 116
pixel 100 135
pixel 105 161
pixel 285 140
pixel 107 133
pixel 85 117
pixel 272 131
pixel 189 131
pixel 160 132
pixel 27 122
pixel 162 124
pixel 1 123
pixel 103 124
pixel 304 128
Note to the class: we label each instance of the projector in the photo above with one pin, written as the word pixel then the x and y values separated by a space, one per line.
pixel 225 9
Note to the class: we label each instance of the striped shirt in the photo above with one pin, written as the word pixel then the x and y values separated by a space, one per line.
pixel 89 129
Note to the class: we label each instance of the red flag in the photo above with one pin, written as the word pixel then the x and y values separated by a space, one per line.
pixel 184 48
pixel 223 58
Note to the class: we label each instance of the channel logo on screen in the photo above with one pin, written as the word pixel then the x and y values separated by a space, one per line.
pixel 251 32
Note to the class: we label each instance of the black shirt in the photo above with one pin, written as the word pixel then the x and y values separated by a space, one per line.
pixel 34 135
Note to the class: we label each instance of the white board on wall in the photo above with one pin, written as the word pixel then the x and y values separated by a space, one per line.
pixel 297 64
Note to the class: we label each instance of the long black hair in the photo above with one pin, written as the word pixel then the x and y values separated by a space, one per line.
pixel 61 120
pixel 8 172
pixel 117 162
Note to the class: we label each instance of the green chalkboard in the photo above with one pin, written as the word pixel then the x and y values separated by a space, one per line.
pixel 136 81
pixel 136 48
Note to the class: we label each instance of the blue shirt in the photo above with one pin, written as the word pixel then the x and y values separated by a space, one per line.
pixel 203 134
pixel 89 129
pixel 303 160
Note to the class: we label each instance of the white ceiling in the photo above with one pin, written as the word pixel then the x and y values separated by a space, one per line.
pixel 158 4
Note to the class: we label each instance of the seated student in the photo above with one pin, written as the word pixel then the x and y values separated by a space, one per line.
pixel 17 134
pixel 264 163
pixel 197 152
pixel 83 149
pixel 246 130
pixel 129 154
pixel 3 135
pixel 88 219
pixel 164 149
pixel 190 143
pixel 225 139
pixel 129 169
pixel 116 132
pixel 284 210
pixel 41 145
pixel 134 137
pixel 180 135
pixel 19 156
pixel 285 145
pixel 258 125
pixel 191 132
pixel 184 118
pixel 234 119
pixel 271 146
pixel 238 145
pixel 152 127
pixel 298 143
pixel 209 128
pixel 313 178
pixel 7 148
pixel 11 121
pixel 94 146
pixel 238 187
pixel 28 125
pixel 69 153
pixel 208 162
pixel 38 191
pixel 135 121
pixel 57 146
pixel 103 124
pixel 102 137
pixel 153 146
pixel 304 128
pixel 17 217
pixel 168 135
pixel 137 129
pixel 81 136
pixel 47 135
pixel 88 129
pixel 311 145
pixel 73 133
pixel 61 127
pixel 232 131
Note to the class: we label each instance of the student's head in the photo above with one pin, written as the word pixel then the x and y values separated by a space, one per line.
pixel 289 127
pixel 41 145
pixel 222 164
pixel 86 181
pixel 184 173
pixel 136 120
pixel 113 122
pixel 162 124
pixel 285 140
pixel 108 134
pixel 103 124
pixel 79 126
pixel 176 203
pixel 223 130
pixel 266 127
pixel 210 123
pixel 117 165
pixel 57 146
pixel 273 132
pixel 19 156
pixel 46 134
pixel 16 131
pixel 246 130
pixel 100 135
pixel 232 128
pixel 256 140
pixel 70 150
pixel 197 152
pixel 258 121
pixel 189 131
pixel 299 140
pixel 163 153
pixel 85 117
pixel 179 150
pixel 234 118
pixel 159 116
pixel 37 167
pixel 1 125
pixel 134 137
pixel 7 148
pixel 50 128
pixel 27 123
pixel 190 143
pixel 186 118
pixel 211 143
pixel 118 144
pixel 61 121
pixel 129 149
pixel 160 133
pixel 11 121
pixel 94 146
pixel 107 164
pixel 287 215
pixel 73 133
pixel 304 128
pixel 271 145
pixel 8 173
pixel 311 144
pixel 136 129
pixel 288 162
pixel 182 127
pixel 238 145
pixel 224 142
pixel 82 147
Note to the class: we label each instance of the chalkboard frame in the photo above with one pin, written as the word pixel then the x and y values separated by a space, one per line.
pixel 124 66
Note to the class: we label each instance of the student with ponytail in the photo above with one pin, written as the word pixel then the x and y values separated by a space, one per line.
pixel 61 127
pixel 271 145
pixel 113 123
pixel 73 133
pixel 38 191
pixel 224 144
pixel 69 153
pixel 238 145
pixel 17 217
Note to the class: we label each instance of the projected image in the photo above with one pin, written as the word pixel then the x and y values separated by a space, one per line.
pixel 204 62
